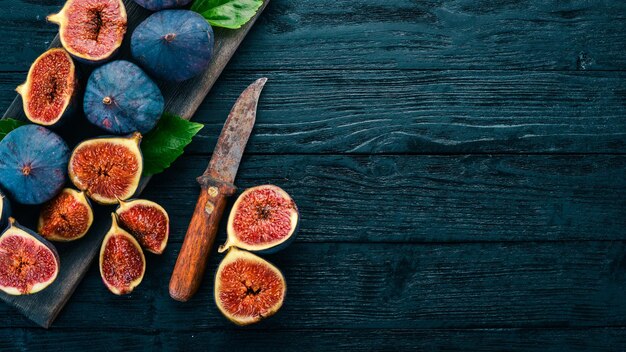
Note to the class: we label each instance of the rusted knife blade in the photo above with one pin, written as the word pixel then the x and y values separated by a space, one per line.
pixel 216 185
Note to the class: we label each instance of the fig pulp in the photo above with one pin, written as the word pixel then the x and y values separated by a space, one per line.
pixel 121 98
pixel 173 45
pixel 107 169
pixel 28 263
pixel 264 218
pixel 156 5
pixel 66 217
pixel 91 30
pixel 33 164
pixel 50 88
pixel 147 221
pixel 248 288
pixel 122 263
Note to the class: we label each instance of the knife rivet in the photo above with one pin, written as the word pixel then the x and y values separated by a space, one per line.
pixel 213 191
pixel 208 208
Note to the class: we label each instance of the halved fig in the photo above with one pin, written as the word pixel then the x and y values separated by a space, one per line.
pixel 107 169
pixel 28 263
pixel 122 263
pixel 248 288
pixel 50 89
pixel 91 30
pixel 263 219
pixel 147 221
pixel 66 217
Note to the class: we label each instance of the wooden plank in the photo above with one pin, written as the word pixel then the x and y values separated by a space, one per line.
pixel 236 339
pixel 340 111
pixel 386 286
pixel 428 198
pixel 447 34
pixel 180 98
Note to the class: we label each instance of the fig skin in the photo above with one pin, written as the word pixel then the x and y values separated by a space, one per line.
pixel 259 227
pixel 33 164
pixel 16 230
pixel 120 98
pixel 135 230
pixel 232 291
pixel 5 210
pixel 102 165
pixel 173 45
pixel 69 86
pixel 115 230
pixel 157 5
pixel 73 19
pixel 54 233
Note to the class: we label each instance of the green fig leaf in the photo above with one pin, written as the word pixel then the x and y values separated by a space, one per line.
pixel 8 125
pixel 227 13
pixel 165 143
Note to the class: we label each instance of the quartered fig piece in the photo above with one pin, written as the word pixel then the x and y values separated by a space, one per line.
pixel 108 168
pixel 91 30
pixel 147 221
pixel 248 288
pixel 50 89
pixel 120 98
pixel 28 263
pixel 5 209
pixel 66 217
pixel 173 45
pixel 264 218
pixel 33 164
pixel 122 263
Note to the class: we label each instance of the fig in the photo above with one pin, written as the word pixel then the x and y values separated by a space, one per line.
pixel 263 219
pixel 120 98
pixel 33 164
pixel 66 217
pixel 5 209
pixel 107 169
pixel 122 263
pixel 157 5
pixel 248 288
pixel 147 221
pixel 91 30
pixel 173 45
pixel 49 93
pixel 28 263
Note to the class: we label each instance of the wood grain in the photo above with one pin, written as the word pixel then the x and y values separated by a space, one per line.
pixel 433 34
pixel 181 99
pixel 386 286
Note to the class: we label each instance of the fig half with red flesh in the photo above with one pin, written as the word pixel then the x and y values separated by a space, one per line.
pixel 66 217
pixel 91 30
pixel 147 221
pixel 107 169
pixel 122 263
pixel 28 263
pixel 248 288
pixel 50 89
pixel 263 219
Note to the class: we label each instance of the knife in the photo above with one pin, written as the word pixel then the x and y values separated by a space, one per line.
pixel 216 185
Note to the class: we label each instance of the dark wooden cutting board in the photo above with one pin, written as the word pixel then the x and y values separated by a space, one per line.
pixel 181 99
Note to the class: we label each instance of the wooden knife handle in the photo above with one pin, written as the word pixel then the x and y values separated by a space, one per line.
pixel 192 259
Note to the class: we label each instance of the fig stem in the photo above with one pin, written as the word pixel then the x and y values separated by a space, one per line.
pixel 107 101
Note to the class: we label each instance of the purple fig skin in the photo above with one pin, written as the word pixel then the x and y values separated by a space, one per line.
pixel 157 5
pixel 173 45
pixel 5 211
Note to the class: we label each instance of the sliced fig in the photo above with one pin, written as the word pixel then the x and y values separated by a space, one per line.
pixel 122 263
pixel 5 209
pixel 108 168
pixel 28 263
pixel 33 164
pixel 263 219
pixel 147 221
pixel 50 89
pixel 91 30
pixel 248 288
pixel 66 217
pixel 120 98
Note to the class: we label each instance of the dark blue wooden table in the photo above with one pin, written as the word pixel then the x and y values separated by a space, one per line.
pixel 460 167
